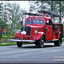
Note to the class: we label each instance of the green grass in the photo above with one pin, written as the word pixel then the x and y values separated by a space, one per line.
pixel 6 44
pixel 7 37
pixel 9 44
pixel 62 40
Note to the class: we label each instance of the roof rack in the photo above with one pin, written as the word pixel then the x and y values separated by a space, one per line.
pixel 45 12
pixel 32 14
pixel 50 13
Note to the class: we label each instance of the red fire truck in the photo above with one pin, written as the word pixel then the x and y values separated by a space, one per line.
pixel 39 29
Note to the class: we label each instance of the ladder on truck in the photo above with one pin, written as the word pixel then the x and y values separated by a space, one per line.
pixel 44 13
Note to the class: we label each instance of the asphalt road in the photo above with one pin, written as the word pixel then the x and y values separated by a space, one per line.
pixel 31 54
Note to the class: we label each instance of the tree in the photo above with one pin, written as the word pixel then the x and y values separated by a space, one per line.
pixel 14 14
pixel 38 5
pixel 23 17
pixel 3 23
pixel 51 6
pixel 56 6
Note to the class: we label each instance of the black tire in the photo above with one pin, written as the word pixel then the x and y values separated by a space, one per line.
pixel 36 42
pixel 40 42
pixel 19 44
pixel 59 42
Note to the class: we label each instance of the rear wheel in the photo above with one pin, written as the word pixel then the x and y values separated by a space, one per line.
pixel 19 44
pixel 59 42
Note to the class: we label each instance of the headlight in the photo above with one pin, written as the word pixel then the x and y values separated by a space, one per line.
pixel 36 31
pixel 23 32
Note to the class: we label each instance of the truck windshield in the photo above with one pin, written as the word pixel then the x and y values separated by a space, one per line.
pixel 40 21
pixel 35 21
pixel 30 21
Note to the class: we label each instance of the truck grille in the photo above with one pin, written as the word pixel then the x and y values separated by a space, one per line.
pixel 28 30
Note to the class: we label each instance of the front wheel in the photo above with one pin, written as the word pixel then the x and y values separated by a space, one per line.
pixel 40 42
pixel 59 42
pixel 19 44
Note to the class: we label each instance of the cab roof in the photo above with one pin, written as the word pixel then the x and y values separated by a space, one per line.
pixel 46 18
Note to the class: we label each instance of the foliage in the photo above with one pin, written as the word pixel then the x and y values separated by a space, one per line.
pixel 6 37
pixel 3 24
pixel 14 17
pixel 14 14
pixel 56 6
pixel 38 5
pixel 23 17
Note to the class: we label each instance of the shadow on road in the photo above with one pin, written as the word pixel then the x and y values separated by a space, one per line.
pixel 45 46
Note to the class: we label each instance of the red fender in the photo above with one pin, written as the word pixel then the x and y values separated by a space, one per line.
pixel 16 35
pixel 39 35
pixel 58 35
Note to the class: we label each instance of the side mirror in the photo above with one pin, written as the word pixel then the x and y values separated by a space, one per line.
pixel 21 22
pixel 47 22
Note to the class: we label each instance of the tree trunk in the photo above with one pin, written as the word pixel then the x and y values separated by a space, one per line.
pixel 1 32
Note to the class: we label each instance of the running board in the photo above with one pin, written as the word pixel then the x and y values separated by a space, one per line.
pixel 55 40
pixel 52 40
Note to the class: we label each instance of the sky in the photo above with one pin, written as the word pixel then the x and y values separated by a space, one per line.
pixel 23 4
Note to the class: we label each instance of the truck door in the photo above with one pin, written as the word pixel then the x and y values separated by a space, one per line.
pixel 49 30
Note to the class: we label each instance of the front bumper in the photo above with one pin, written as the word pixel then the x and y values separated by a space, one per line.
pixel 16 40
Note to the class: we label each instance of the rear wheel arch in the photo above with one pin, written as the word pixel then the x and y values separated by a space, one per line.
pixel 60 37
pixel 59 42
pixel 59 34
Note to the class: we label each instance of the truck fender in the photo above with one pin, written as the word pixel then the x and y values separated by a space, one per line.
pixel 39 35
pixel 58 35
pixel 16 35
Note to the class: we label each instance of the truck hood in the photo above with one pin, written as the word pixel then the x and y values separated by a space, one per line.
pixel 37 26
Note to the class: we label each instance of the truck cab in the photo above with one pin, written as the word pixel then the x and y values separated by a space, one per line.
pixel 39 29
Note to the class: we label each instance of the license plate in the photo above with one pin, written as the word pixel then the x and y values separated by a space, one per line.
pixel 21 38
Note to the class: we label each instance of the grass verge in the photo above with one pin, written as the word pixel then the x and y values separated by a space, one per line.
pixel 62 40
pixel 9 44
pixel 6 37
pixel 6 44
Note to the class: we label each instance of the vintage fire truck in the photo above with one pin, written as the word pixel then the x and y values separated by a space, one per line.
pixel 39 29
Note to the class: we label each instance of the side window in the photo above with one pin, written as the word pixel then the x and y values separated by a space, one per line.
pixel 49 22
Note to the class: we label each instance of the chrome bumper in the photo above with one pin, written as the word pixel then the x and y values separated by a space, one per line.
pixel 16 40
